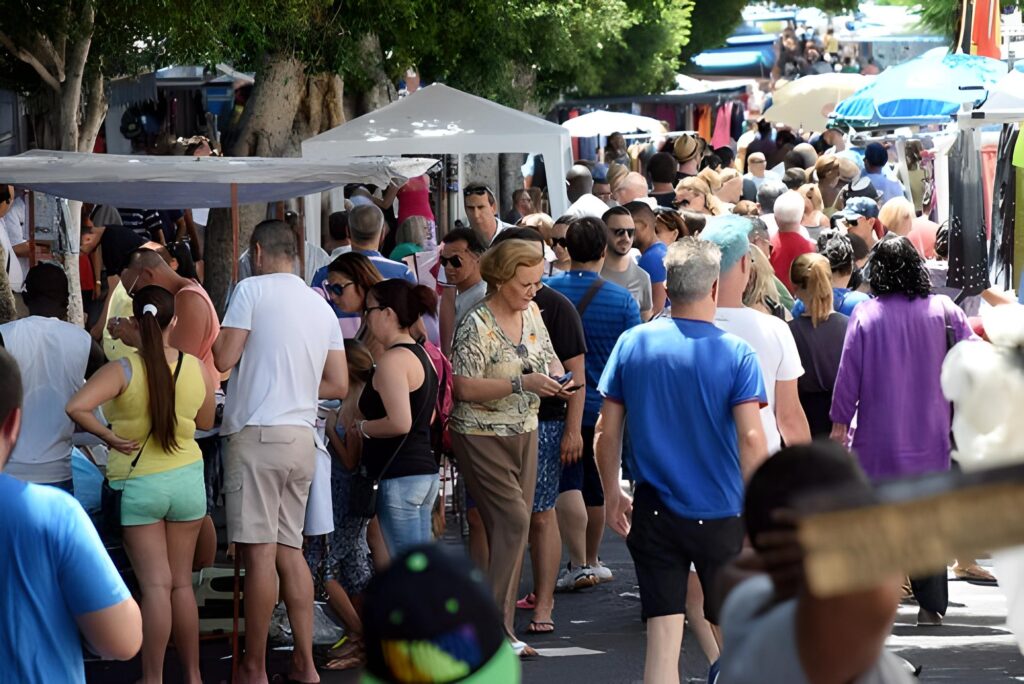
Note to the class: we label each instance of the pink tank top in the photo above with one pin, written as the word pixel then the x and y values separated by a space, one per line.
pixel 414 199
pixel 209 335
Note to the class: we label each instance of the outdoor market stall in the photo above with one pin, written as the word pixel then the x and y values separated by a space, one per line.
pixel 438 119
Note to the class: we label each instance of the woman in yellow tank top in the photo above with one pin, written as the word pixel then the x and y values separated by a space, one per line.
pixel 155 398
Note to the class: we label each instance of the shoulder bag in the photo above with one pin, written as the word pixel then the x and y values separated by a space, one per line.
pixel 110 498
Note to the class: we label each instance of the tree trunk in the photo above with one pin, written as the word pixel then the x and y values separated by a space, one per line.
pixel 287 106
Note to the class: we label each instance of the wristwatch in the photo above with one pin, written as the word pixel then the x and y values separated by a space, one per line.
pixel 517 384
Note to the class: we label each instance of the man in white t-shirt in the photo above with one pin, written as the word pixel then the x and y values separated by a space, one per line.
pixel 55 359
pixel 783 418
pixel 286 344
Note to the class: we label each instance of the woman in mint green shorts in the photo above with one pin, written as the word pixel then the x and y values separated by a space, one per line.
pixel 155 398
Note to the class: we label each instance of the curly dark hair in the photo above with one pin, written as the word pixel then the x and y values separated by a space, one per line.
pixel 837 248
pixel 897 268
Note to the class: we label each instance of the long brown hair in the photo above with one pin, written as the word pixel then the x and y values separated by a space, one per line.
pixel 813 274
pixel 153 308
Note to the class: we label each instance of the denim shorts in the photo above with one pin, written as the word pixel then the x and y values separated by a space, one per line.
pixel 177 495
pixel 549 464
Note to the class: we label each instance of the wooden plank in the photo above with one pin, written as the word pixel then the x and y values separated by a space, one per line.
pixel 916 527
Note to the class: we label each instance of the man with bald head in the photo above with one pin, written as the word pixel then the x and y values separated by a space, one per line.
pixel 581 182
pixel 633 187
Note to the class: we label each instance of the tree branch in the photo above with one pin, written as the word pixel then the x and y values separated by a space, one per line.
pixel 31 60
pixel 47 49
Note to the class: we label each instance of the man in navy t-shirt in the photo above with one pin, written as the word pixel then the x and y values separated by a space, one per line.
pixel 691 396
pixel 607 310
pixel 652 252
pixel 56 579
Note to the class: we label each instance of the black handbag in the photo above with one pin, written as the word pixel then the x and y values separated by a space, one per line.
pixel 110 498
pixel 362 501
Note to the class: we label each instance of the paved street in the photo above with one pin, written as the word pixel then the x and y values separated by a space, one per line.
pixel 599 638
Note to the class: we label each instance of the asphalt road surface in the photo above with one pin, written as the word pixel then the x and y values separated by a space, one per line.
pixel 599 638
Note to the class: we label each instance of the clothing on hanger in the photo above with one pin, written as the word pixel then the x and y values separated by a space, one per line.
pixel 1004 209
pixel 968 253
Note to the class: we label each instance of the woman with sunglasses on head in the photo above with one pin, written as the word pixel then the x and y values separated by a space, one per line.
pixel 504 363
pixel 697 194
pixel 397 407
pixel 156 398
pixel 669 225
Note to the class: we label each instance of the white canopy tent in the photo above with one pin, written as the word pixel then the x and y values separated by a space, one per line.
pixel 438 119
pixel 602 122
pixel 1004 104
pixel 182 182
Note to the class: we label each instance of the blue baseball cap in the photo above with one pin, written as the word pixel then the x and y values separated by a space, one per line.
pixel 857 207
pixel 730 234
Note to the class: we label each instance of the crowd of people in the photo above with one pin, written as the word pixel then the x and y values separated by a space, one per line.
pixel 690 329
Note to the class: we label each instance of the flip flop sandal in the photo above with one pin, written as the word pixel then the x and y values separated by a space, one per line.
pixel 346 663
pixel 523 650
pixel 528 602
pixel 540 627
pixel 974 574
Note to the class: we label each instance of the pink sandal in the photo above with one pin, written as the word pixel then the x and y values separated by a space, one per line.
pixel 528 602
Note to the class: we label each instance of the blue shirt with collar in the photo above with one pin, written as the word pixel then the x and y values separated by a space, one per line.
pixel 611 312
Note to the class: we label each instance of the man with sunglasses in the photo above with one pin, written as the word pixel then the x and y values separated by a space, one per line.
pixel 482 212
pixel 619 266
pixel 461 250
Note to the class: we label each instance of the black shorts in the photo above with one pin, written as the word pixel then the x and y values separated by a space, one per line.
pixel 663 545
pixel 583 474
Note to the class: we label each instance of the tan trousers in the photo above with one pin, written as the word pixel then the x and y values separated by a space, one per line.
pixel 501 474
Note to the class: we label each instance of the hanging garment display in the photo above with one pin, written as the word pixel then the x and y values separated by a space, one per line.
pixel 968 256
pixel 720 137
pixel 1004 209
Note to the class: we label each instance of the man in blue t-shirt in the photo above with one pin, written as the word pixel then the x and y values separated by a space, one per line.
pixel 56 579
pixel 607 310
pixel 652 252
pixel 691 395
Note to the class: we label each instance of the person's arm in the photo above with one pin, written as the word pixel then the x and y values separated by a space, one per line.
pixel 750 437
pixel 480 390
pixel 572 438
pixel 789 414
pixel 388 197
pixel 334 382
pixel 227 350
pixel 846 392
pixel 618 506
pixel 446 320
pixel 101 322
pixel 96 359
pixel 658 296
pixel 113 633
pixel 991 296
pixel 834 650
pixel 392 383
pixel 21 249
pixel 191 325
pixel 207 414
pixel 107 383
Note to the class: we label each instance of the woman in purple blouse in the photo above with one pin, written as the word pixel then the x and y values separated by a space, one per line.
pixel 889 379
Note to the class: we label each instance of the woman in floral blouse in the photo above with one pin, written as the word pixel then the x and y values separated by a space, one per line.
pixel 503 363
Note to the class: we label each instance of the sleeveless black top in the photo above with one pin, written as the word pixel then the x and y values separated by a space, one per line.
pixel 415 457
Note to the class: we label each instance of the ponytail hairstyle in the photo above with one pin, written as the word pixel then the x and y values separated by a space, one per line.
pixel 813 274
pixel 408 301
pixel 153 308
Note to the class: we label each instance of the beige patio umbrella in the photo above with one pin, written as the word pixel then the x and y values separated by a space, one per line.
pixel 806 102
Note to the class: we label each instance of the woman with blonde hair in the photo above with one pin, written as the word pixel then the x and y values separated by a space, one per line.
pixel 761 292
pixel 503 363
pixel 819 333
pixel 897 216
pixel 696 194
pixel 410 237
pixel 814 217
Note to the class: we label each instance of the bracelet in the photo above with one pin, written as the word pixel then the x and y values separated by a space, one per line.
pixel 362 431
pixel 517 384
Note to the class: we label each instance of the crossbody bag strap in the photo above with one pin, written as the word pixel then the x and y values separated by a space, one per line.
pixel 135 461
pixel 428 368
pixel 589 295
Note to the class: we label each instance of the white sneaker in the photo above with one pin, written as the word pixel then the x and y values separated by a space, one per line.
pixel 571 580
pixel 601 573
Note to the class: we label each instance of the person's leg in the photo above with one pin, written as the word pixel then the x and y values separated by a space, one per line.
pixel 206 545
pixel 494 471
pixel 479 548
pixel 146 546
pixel 572 514
pixel 260 599
pixel 297 592
pixel 664 644
pixel 402 510
pixel 378 547
pixel 340 602
pixel 545 542
pixel 593 497
pixel 706 637
pixel 181 547
pixel 932 593
pixel 545 556
pixel 426 508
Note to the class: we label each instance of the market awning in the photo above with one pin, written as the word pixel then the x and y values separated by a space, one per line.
pixel 178 182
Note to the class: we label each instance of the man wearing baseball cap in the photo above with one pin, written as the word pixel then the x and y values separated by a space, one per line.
pixel 860 215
